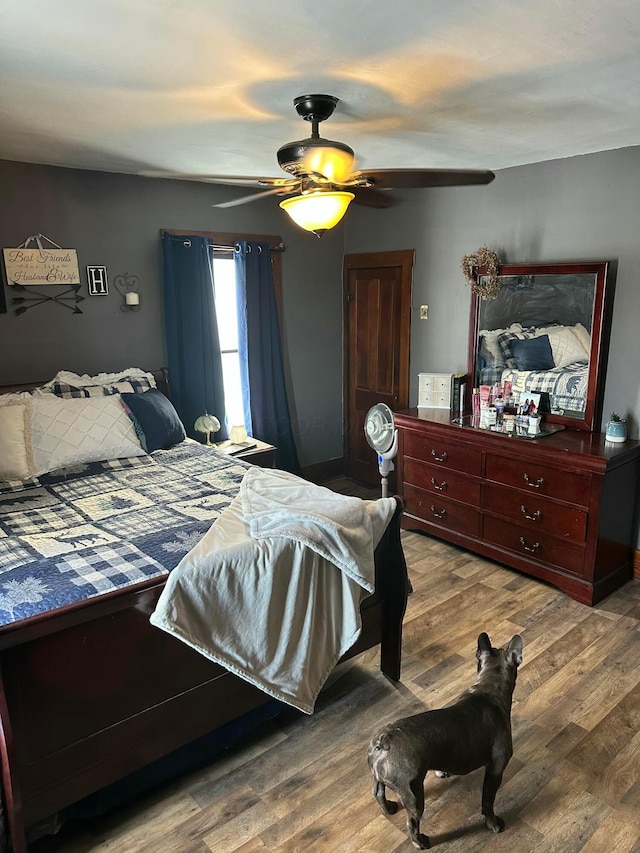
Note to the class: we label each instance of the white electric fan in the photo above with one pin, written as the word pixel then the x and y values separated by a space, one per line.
pixel 381 434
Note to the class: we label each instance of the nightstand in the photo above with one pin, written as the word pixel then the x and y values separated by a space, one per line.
pixel 261 453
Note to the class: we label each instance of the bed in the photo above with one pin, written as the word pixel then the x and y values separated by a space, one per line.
pixel 90 691
pixel 552 360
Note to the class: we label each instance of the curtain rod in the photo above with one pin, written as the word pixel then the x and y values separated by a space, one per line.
pixel 211 236
pixel 280 247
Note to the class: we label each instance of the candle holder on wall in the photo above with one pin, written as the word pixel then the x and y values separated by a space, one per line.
pixel 128 287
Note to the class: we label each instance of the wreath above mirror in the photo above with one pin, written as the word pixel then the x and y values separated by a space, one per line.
pixel 489 286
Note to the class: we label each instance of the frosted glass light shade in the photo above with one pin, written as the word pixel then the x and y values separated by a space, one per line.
pixel 207 423
pixel 317 211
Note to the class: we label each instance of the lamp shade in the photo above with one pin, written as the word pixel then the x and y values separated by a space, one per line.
pixel 207 423
pixel 317 211
pixel 238 434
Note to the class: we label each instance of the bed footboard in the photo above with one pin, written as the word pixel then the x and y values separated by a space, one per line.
pixel 92 693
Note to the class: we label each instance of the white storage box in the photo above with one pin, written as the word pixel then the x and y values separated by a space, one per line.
pixel 434 390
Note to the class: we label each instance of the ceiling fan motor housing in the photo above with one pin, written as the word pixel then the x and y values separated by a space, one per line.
pixel 317 158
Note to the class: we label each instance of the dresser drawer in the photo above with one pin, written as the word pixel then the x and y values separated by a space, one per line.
pixel 535 513
pixel 534 544
pixel 446 454
pixel 438 481
pixel 539 479
pixel 442 511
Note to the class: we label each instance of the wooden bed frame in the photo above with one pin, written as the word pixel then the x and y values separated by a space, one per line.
pixel 92 692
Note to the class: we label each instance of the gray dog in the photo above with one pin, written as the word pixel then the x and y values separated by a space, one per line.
pixel 472 732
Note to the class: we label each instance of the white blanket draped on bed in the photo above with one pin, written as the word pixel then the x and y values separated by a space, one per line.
pixel 273 590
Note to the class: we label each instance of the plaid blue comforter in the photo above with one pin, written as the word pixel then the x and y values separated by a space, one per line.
pixel 87 530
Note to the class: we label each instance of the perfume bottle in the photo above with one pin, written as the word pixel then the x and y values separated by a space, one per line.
pixel 475 407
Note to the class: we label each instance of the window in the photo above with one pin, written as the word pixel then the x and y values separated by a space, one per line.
pixel 225 298
pixel 224 276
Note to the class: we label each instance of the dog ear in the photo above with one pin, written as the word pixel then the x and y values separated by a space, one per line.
pixel 484 645
pixel 514 649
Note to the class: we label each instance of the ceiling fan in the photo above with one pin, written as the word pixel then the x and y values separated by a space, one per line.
pixel 322 182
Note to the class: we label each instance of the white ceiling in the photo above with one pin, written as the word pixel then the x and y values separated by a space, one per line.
pixel 206 86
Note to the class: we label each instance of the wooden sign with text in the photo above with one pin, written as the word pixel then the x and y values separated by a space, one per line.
pixel 41 266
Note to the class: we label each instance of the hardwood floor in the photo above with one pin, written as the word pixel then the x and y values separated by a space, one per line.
pixel 302 783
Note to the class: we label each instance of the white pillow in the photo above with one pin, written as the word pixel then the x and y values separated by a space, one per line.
pixel 16 460
pixel 83 429
pixel 583 336
pixel 68 377
pixel 15 397
pixel 566 346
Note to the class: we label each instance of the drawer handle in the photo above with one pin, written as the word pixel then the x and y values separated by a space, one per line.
pixel 442 458
pixel 534 484
pixel 531 548
pixel 441 487
pixel 536 515
pixel 438 513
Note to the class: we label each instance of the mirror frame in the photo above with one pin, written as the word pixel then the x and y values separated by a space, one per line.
pixel 600 332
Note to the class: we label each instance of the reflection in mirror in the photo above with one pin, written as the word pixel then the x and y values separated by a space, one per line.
pixel 545 333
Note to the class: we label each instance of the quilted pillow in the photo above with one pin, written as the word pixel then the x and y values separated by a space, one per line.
pixel 566 346
pixel 533 353
pixel 160 426
pixel 69 432
pixel 16 461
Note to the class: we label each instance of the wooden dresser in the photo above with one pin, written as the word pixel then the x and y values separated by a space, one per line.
pixel 560 507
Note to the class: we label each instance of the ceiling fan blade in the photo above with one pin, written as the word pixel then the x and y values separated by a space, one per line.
pixel 370 197
pixel 415 178
pixel 227 180
pixel 255 196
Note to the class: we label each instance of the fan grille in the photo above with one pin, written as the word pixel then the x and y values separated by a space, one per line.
pixel 379 427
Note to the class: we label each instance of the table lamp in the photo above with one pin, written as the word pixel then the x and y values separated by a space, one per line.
pixel 207 423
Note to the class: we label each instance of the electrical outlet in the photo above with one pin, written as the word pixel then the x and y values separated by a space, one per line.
pixel 424 312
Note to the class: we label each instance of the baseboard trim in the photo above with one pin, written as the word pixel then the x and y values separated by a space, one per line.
pixel 636 565
pixel 321 471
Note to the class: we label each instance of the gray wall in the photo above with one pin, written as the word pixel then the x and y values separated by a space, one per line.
pixel 580 208
pixel 115 220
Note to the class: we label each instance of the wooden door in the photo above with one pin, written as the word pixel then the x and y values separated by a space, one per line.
pixel 377 325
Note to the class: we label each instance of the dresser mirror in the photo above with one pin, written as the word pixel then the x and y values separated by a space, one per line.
pixel 546 332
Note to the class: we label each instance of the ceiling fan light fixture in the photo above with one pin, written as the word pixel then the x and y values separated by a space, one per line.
pixel 317 211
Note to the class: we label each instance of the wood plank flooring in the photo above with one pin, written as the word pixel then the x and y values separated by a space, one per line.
pixel 302 783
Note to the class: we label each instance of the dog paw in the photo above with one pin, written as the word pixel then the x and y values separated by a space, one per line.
pixel 391 806
pixel 421 842
pixel 494 823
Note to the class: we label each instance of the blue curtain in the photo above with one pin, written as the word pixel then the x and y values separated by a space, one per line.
pixel 193 348
pixel 266 405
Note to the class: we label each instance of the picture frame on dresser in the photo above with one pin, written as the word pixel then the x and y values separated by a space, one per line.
pixel 567 303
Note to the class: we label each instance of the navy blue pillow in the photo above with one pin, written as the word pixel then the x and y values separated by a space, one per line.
pixel 532 353
pixel 158 420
